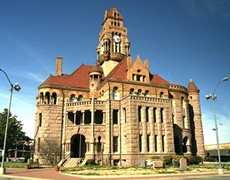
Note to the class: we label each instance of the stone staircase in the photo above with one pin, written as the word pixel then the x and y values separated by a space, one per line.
pixel 72 162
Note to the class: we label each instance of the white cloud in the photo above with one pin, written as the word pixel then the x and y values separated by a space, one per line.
pixel 35 77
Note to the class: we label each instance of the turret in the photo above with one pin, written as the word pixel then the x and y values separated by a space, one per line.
pixel 95 76
pixel 195 119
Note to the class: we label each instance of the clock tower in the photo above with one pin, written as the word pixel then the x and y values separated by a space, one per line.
pixel 113 43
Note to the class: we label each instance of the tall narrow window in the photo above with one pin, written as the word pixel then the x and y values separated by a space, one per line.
pixel 38 146
pixel 140 142
pixel 139 113
pixel 154 114
pixel 148 144
pixel 155 140
pixel 138 77
pixel 163 143
pixel 124 114
pixel 115 116
pixel 115 93
pixel 87 117
pixel 147 114
pixel 115 143
pixel 40 119
pixel 162 115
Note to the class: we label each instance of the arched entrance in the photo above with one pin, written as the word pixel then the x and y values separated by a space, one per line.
pixel 78 146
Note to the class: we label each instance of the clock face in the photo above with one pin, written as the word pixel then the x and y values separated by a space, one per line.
pixel 116 38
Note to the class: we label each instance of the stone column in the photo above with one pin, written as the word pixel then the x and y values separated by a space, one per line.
pixel 92 149
pixel 186 114
pixel 168 131
pixel 152 133
pixel 74 118
pixel 144 130
pixel 104 118
pixel 188 145
pixel 159 133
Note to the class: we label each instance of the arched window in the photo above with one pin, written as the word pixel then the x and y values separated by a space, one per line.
pixel 54 98
pixel 115 94
pixel 131 91
pixel 41 98
pixel 161 94
pixel 146 93
pixel 47 98
pixel 139 92
pixel 72 98
pixel 80 98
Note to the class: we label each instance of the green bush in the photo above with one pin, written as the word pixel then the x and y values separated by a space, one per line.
pixel 194 160
pixel 167 160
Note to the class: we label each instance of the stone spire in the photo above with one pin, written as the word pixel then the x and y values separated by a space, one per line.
pixel 192 86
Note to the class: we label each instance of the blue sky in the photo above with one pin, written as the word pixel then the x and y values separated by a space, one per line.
pixel 181 39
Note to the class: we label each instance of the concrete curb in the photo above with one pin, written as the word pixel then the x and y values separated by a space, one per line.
pixel 149 176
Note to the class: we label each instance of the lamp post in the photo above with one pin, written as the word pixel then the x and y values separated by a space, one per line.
pixel 212 96
pixel 13 87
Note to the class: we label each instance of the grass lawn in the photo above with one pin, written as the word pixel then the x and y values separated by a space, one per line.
pixel 94 170
pixel 15 165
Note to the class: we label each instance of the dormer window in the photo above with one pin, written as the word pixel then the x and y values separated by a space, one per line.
pixel 138 77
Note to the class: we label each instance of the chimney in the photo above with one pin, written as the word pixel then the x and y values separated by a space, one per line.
pixel 58 66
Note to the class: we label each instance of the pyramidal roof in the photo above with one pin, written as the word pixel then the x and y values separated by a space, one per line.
pixel 192 86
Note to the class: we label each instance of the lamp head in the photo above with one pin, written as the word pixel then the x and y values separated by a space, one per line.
pixel 208 96
pixel 17 87
pixel 226 78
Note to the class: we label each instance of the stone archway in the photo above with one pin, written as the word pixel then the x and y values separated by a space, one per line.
pixel 78 146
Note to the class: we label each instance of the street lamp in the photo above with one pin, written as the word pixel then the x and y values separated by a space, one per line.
pixel 13 87
pixel 212 96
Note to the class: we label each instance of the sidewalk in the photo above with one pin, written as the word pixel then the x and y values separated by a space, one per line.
pixel 37 174
pixel 51 174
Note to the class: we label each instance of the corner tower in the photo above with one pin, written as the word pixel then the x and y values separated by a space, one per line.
pixel 195 119
pixel 113 43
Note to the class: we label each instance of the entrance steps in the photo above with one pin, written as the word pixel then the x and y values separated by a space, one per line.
pixel 72 162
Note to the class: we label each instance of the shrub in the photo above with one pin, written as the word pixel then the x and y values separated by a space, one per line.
pixel 194 160
pixel 167 160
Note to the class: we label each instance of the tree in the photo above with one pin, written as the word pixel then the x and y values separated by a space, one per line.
pixel 15 133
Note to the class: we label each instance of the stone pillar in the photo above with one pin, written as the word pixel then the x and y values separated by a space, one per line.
pixel 186 114
pixel 188 145
pixel 135 77
pixel 159 132
pixel 178 112
pixel 151 126
pixel 144 130
pixel 168 125
pixel 92 148
pixel 104 118
pixel 74 118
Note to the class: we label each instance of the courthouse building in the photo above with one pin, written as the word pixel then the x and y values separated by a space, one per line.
pixel 115 111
